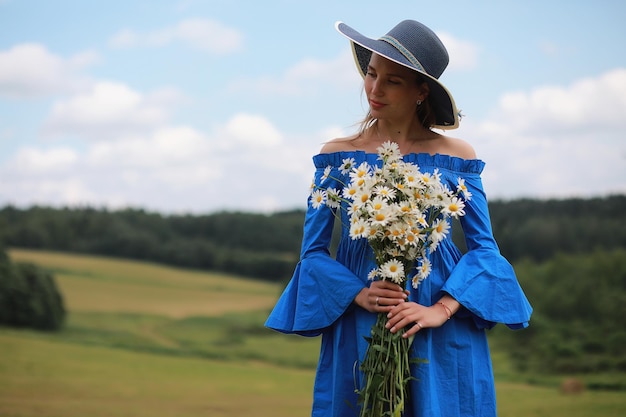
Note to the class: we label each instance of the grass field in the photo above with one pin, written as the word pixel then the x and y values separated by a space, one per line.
pixel 146 340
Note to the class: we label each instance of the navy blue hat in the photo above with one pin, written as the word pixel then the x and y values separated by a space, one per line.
pixel 414 46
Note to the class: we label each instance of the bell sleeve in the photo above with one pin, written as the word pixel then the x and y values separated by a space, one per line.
pixel 321 289
pixel 483 281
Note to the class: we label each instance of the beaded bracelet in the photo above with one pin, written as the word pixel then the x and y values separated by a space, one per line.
pixel 448 311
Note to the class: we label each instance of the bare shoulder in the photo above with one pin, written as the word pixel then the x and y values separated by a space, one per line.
pixel 339 145
pixel 459 148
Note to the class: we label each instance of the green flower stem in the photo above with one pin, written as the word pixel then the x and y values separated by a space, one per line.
pixel 386 370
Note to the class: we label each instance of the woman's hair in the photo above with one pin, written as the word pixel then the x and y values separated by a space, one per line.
pixel 424 113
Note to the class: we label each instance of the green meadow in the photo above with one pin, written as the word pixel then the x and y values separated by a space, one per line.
pixel 143 339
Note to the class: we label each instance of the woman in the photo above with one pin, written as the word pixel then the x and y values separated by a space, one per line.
pixel 465 294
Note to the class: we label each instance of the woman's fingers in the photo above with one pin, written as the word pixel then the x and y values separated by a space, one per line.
pixel 387 293
pixel 407 314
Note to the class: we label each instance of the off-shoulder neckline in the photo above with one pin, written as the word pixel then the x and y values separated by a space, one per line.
pixel 442 161
pixel 425 154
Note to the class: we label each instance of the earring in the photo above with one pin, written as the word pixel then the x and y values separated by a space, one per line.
pixel 419 102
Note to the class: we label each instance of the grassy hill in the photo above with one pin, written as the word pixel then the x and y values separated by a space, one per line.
pixel 147 340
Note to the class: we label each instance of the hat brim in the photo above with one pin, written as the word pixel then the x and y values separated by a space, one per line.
pixel 446 114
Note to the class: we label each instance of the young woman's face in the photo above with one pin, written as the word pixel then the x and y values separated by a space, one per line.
pixel 392 89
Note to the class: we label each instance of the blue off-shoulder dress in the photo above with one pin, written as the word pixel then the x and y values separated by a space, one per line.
pixel 456 378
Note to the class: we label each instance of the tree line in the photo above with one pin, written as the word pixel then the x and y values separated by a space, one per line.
pixel 267 246
pixel 252 245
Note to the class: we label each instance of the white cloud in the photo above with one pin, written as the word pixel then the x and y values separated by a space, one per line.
pixel 557 140
pixel 205 34
pixel 590 103
pixel 110 109
pixel 30 70
pixel 243 164
pixel 305 78
pixel 31 160
pixel 251 130
pixel 463 54
pixel 165 147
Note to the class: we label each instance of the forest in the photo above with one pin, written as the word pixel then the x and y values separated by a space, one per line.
pixel 267 247
pixel 569 254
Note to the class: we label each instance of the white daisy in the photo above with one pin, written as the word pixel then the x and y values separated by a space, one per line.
pixel 353 210
pixel 389 151
pixel 375 233
pixel 383 216
pixel 423 271
pixel 385 192
pixel 397 231
pixel 373 274
pixel 359 229
pixel 326 174
pixel 346 165
pixel 439 232
pixel 411 176
pixel 412 239
pixel 454 207
pixel 462 188
pixel 362 197
pixel 350 191
pixel 333 200
pixel 363 171
pixel 377 203
pixel 405 207
pixel 318 198
pixel 394 270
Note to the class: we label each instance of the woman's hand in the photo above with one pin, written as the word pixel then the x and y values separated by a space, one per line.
pixel 381 297
pixel 420 316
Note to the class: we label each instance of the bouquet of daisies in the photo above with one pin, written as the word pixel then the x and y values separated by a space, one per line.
pixel 404 214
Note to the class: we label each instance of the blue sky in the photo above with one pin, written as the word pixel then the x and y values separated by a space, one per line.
pixel 199 106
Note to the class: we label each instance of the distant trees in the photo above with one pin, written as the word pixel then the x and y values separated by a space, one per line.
pixel 540 229
pixel 29 297
pixel 254 245
pixel 579 306
pixel 267 246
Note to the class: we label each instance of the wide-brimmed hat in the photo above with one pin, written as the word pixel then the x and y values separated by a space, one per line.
pixel 414 46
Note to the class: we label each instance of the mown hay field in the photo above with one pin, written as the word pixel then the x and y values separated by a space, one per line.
pixel 147 340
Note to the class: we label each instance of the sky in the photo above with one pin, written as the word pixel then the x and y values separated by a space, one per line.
pixel 190 106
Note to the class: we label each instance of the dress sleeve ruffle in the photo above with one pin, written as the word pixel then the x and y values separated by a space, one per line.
pixel 319 292
pixel 485 284
pixel 321 289
pixel 483 281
